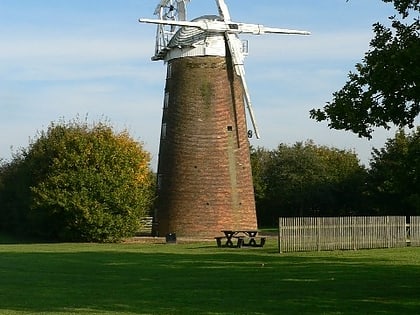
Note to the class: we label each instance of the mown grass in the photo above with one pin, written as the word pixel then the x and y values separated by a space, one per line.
pixel 199 278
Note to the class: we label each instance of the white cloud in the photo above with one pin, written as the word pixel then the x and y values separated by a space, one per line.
pixel 78 59
pixel 45 70
pixel 293 125
pixel 318 46
pixel 68 48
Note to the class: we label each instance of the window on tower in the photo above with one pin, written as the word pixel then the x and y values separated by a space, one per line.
pixel 163 131
pixel 166 100
pixel 159 181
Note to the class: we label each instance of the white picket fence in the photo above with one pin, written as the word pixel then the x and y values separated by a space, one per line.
pixel 414 231
pixel 338 233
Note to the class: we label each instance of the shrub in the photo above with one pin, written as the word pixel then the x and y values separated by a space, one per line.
pixel 81 183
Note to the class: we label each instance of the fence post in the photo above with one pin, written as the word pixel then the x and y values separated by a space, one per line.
pixel 352 229
pixel 279 235
pixel 407 231
pixel 318 233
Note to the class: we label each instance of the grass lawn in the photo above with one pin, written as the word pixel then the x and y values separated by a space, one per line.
pixel 199 278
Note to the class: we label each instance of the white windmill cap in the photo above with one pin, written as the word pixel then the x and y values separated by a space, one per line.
pixel 191 41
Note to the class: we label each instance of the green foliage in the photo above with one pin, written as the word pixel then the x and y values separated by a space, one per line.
pixel 394 175
pixel 78 183
pixel 14 195
pixel 386 86
pixel 306 179
pixel 260 164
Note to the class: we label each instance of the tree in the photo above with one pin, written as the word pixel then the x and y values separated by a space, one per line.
pixel 394 175
pixel 306 180
pixel 78 183
pixel 260 164
pixel 14 195
pixel 385 89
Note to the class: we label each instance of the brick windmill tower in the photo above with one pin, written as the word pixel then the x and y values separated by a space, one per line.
pixel 204 171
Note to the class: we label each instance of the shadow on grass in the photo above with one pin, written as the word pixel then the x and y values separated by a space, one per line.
pixel 192 280
pixel 6 239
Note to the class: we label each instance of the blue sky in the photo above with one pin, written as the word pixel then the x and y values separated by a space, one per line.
pixel 61 58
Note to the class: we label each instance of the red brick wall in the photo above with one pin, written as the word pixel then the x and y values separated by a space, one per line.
pixel 204 171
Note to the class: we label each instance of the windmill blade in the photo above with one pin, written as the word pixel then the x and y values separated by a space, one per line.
pixel 234 45
pixel 238 64
pixel 248 103
pixel 273 30
pixel 230 27
pixel 223 10
pixel 182 10
pixel 198 24
pixel 259 29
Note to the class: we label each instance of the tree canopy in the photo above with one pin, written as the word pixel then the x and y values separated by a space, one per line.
pixel 394 181
pixel 305 180
pixel 385 89
pixel 77 182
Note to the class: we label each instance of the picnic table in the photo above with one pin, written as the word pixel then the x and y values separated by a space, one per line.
pixel 242 237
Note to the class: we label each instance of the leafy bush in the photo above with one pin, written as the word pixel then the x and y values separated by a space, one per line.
pixel 78 183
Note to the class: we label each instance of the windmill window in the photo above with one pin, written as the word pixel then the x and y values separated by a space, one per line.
pixel 166 100
pixel 163 131
pixel 159 181
pixel 169 71
pixel 229 128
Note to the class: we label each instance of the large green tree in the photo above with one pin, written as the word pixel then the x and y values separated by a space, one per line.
pixel 77 182
pixel 385 89
pixel 305 180
pixel 394 175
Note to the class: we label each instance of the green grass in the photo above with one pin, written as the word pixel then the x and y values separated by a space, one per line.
pixel 199 278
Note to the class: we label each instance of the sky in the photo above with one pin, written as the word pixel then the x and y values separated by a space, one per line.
pixel 62 59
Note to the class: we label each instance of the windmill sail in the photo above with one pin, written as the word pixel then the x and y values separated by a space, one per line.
pixel 232 27
pixel 237 60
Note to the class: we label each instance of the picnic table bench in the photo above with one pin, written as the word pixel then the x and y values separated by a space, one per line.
pixel 243 237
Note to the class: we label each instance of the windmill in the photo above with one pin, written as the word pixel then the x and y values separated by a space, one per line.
pixel 204 170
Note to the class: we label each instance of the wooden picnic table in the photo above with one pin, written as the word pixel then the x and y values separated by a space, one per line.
pixel 240 235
